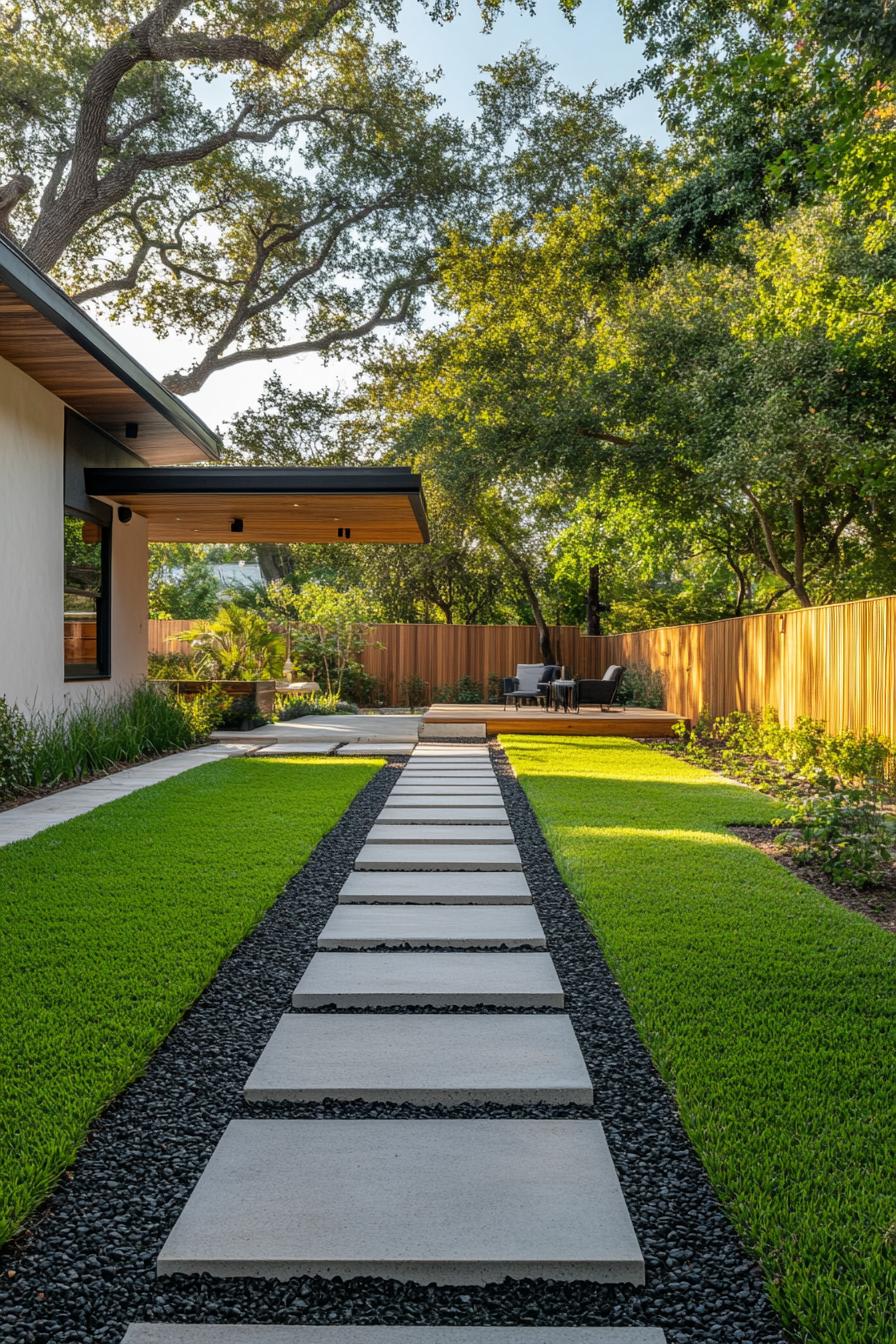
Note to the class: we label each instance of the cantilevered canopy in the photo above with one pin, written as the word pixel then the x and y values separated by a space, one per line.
pixel 269 503
pixel 44 333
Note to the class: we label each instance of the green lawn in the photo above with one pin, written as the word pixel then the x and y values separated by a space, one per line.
pixel 769 1009
pixel 114 922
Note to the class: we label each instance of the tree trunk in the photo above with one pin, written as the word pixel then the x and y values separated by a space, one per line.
pixel 274 561
pixel 592 602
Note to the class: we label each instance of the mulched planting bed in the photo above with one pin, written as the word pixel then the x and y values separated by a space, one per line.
pixel 86 1266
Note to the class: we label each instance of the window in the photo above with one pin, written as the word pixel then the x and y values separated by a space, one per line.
pixel 86 598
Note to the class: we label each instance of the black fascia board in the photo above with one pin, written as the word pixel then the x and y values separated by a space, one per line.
pixel 252 481
pixel 46 297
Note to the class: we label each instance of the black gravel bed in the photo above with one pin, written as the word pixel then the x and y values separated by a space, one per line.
pixel 85 1267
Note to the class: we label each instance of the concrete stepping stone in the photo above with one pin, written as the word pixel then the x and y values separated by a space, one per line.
pixel 392 833
pixel 479 816
pixel 436 889
pixel 439 1059
pixel 432 926
pixel 474 788
pixel 296 749
pixel 375 749
pixel 421 1201
pixel 423 803
pixel 159 1332
pixel 436 979
pixel 419 858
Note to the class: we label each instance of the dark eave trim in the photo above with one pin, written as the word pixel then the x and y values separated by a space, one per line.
pixel 46 297
pixel 251 481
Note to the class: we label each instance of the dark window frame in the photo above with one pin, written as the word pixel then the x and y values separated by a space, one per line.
pixel 101 670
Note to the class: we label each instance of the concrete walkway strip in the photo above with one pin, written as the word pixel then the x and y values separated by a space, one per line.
pixel 438 1059
pixel 417 858
pixel 434 979
pixel 423 1201
pixel 416 816
pixel 436 889
pixel 297 749
pixel 157 1332
pixel 375 749
pixel 358 926
pixel 392 833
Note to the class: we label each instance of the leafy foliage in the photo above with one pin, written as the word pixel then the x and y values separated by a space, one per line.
pixel 238 645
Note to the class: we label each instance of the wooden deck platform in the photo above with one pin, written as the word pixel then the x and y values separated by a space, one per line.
pixel 466 719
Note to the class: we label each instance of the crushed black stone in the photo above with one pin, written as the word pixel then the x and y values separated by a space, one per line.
pixel 85 1268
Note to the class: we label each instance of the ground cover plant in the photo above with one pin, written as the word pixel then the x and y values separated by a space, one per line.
pixel 769 1010
pixel 113 924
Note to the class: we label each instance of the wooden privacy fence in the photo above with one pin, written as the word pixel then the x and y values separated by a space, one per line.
pixel 834 663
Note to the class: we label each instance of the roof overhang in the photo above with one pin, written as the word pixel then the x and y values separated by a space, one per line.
pixel 44 333
pixel 279 504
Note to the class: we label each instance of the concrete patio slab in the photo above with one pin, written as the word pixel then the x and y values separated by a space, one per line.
pixel 424 1059
pixel 411 858
pixel 395 833
pixel 157 1332
pixel 437 979
pixel 427 815
pixel 424 1201
pixel 432 926
pixel 437 888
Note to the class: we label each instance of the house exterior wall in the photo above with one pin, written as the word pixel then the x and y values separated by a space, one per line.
pixel 32 501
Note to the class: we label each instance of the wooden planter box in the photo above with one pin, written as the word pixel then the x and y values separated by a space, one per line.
pixel 261 692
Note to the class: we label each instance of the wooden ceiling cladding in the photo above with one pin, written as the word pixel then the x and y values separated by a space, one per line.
pixel 77 376
pixel 385 517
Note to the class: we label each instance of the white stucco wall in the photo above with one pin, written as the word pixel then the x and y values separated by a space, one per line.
pixel 32 428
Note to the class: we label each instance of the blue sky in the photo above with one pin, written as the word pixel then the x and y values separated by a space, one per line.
pixel 590 50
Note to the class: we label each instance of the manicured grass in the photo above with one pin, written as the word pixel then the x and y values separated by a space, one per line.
pixel 114 922
pixel 769 1009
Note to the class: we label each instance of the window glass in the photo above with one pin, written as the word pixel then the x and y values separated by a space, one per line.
pixel 86 582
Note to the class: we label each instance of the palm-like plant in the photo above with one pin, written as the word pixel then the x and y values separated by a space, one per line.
pixel 238 645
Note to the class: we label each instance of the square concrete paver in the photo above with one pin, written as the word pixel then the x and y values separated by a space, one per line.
pixel 432 926
pixel 423 1201
pixel 423 1059
pixel 437 888
pixel 392 833
pixel 439 979
pixel 157 1332
pixel 439 858
pixel 423 816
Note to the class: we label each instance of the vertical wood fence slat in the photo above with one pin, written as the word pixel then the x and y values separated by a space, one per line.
pixel 835 663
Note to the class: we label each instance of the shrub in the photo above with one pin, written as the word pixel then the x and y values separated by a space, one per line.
pixel 288 707
pixel 206 711
pixel 171 667
pixel 238 645
pixel 642 685
pixel 845 832
pixel 16 746
pixel 242 713
pixel 413 692
pixel 464 691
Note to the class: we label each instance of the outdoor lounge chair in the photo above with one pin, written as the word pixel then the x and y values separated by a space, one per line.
pixel 532 682
pixel 603 692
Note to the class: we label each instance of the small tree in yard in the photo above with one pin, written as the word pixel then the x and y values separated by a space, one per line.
pixel 330 637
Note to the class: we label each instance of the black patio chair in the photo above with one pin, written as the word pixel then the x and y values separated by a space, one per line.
pixel 590 691
pixel 532 682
